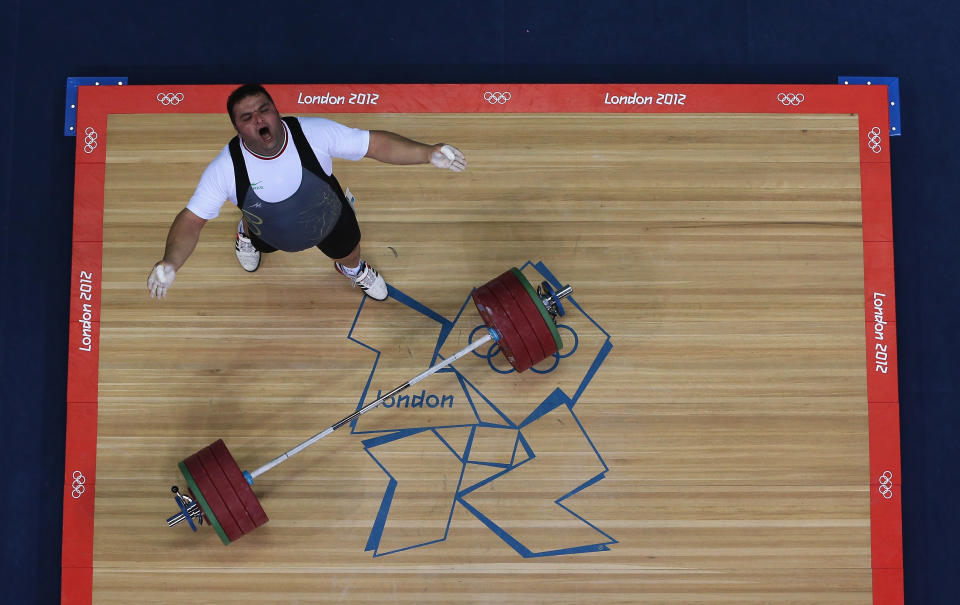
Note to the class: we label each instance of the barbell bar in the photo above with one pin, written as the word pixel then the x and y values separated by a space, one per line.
pixel 520 319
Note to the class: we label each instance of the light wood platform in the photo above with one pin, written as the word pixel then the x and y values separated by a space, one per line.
pixel 722 254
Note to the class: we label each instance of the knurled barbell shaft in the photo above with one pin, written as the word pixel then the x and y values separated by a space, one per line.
pixel 490 336
pixel 193 510
pixel 561 293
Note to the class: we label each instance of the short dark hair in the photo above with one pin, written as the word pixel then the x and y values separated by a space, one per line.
pixel 247 90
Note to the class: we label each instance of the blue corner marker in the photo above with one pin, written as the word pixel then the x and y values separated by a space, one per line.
pixel 893 95
pixel 70 111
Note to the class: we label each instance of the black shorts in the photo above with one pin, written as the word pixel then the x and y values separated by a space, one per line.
pixel 339 243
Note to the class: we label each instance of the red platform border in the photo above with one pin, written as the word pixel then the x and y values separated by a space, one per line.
pixel 869 103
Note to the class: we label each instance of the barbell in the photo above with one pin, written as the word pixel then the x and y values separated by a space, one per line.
pixel 520 319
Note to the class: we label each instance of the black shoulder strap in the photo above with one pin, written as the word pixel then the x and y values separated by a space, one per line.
pixel 240 175
pixel 309 159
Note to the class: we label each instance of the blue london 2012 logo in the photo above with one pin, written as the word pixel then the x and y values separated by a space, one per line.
pixel 477 440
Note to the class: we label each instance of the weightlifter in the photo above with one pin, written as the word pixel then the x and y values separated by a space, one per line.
pixel 279 173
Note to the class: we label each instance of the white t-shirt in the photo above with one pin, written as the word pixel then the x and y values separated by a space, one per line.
pixel 276 179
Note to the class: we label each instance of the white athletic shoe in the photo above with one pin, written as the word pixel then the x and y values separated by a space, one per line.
pixel 368 279
pixel 248 256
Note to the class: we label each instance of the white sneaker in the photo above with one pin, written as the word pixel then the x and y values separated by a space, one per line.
pixel 368 279
pixel 248 256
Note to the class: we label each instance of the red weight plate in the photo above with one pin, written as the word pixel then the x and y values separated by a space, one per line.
pixel 213 498
pixel 510 341
pixel 238 481
pixel 501 290
pixel 533 317
pixel 229 495
pixel 198 497
pixel 529 309
pixel 548 320
pixel 508 336
pixel 515 336
pixel 482 302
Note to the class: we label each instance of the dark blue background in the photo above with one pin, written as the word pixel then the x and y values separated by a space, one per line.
pixel 705 41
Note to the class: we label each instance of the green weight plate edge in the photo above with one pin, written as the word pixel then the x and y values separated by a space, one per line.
pixel 539 303
pixel 520 320
pixel 231 500
pixel 203 503
pixel 235 476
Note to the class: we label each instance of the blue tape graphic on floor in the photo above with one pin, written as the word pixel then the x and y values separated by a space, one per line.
pixel 482 440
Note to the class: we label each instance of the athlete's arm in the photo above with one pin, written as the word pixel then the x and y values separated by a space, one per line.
pixel 181 240
pixel 392 148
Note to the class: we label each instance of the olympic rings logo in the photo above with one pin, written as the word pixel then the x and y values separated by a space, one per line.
pixel 170 98
pixel 78 484
pixel 886 485
pixel 873 140
pixel 496 97
pixel 788 98
pixel 89 139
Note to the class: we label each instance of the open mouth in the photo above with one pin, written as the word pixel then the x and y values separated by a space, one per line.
pixel 265 135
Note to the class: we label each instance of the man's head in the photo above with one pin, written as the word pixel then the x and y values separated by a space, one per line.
pixel 256 119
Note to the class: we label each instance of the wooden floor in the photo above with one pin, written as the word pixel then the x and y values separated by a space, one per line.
pixel 719 255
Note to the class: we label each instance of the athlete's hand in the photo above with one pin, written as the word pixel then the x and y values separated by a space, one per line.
pixel 448 156
pixel 160 279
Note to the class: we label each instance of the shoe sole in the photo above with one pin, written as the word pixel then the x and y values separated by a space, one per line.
pixel 249 270
pixel 385 296
pixel 241 264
